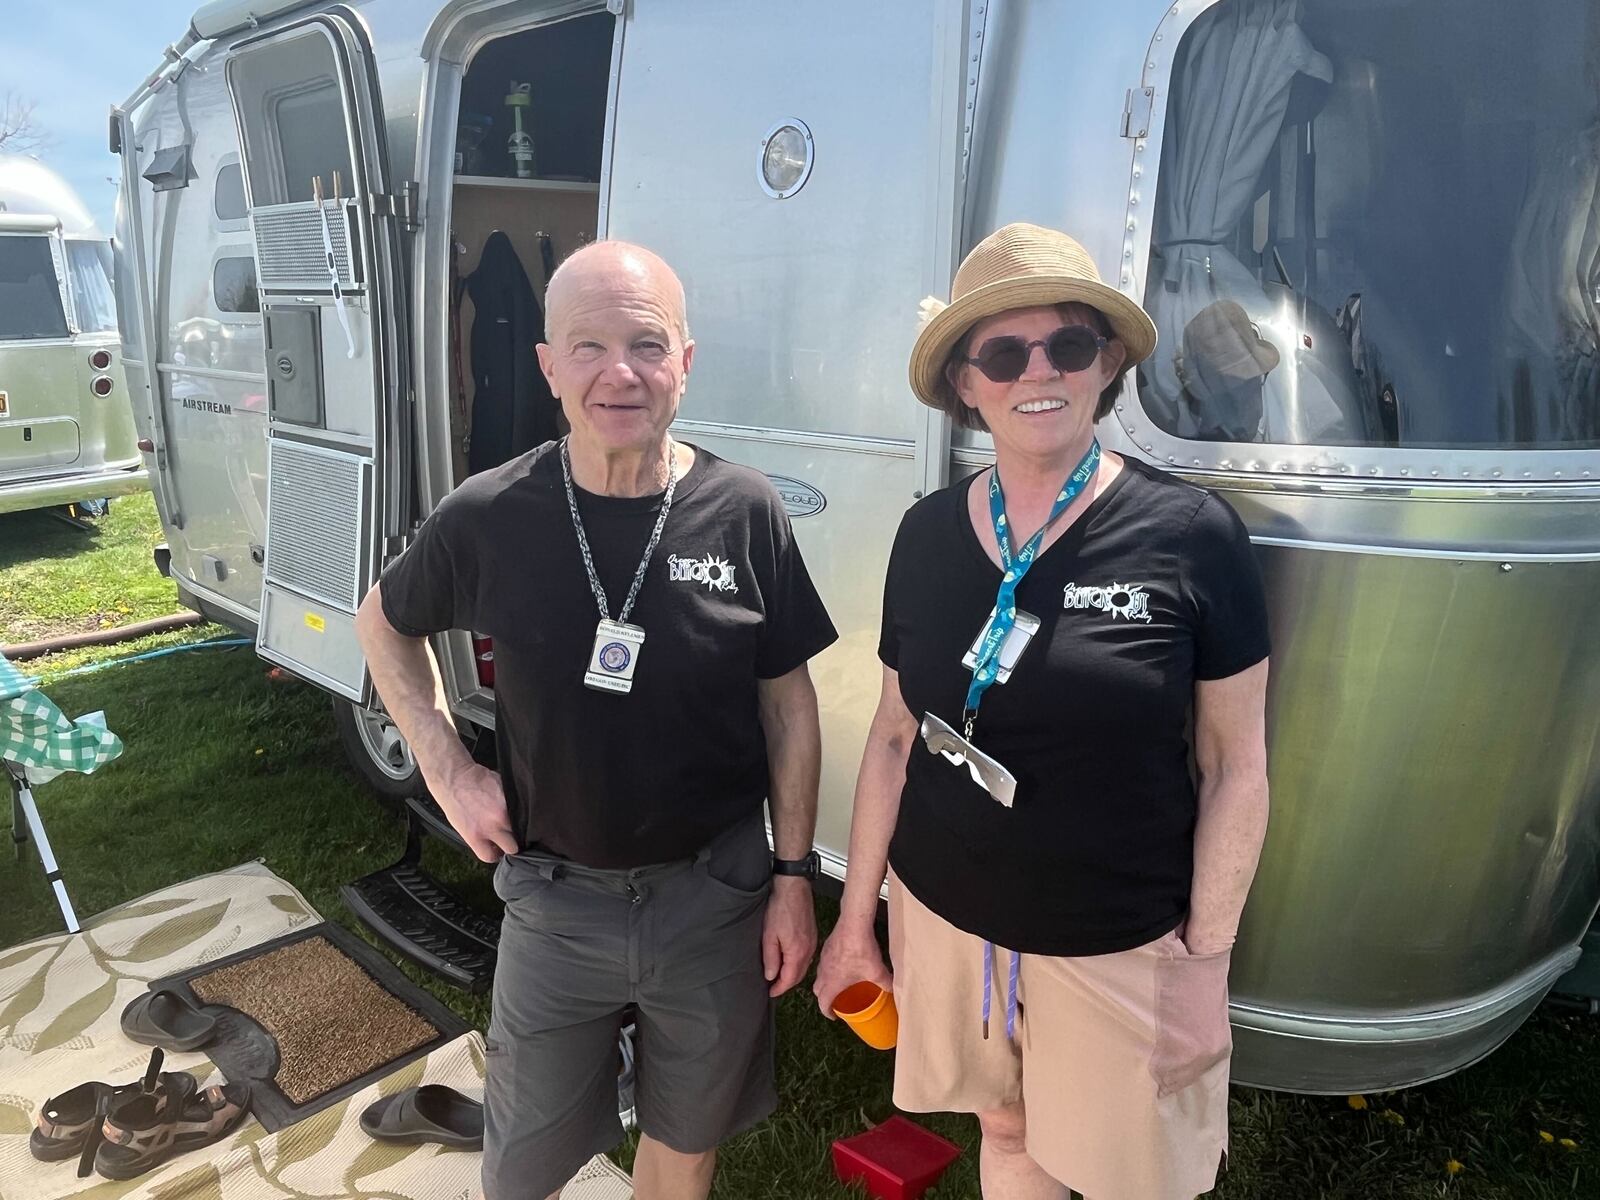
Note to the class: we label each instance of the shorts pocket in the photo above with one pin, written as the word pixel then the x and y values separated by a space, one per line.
pixel 1192 1030
pixel 739 863
pixel 520 881
pixel 734 890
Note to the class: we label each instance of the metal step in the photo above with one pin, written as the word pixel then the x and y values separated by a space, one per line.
pixel 426 810
pixel 409 910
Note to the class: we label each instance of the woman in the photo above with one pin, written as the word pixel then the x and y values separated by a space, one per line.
pixel 1063 895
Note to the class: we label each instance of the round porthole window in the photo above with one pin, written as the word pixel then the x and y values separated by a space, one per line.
pixel 786 156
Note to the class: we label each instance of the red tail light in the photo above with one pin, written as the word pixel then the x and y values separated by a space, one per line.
pixel 483 655
pixel 101 386
pixel 100 359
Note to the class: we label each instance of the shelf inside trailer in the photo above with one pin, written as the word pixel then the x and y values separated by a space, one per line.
pixel 534 185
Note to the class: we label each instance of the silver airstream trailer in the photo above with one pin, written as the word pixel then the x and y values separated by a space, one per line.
pixel 66 433
pixel 1400 197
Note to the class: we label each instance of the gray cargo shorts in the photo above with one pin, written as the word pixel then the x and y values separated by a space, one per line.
pixel 682 942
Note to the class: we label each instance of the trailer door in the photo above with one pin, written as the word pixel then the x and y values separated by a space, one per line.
pixel 328 236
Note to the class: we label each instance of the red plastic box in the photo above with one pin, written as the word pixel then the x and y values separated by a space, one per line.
pixel 899 1160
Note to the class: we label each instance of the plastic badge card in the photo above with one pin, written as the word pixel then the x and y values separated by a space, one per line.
pixel 614 658
pixel 1016 642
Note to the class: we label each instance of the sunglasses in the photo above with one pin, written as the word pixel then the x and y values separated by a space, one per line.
pixel 1070 349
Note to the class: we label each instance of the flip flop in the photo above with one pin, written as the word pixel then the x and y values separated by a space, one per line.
pixel 140 1134
pixel 430 1113
pixel 65 1122
pixel 167 1019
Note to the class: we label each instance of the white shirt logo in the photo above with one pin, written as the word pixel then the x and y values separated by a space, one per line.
pixel 715 573
pixel 1119 599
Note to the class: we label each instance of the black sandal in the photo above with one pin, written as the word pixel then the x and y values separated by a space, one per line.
pixel 70 1122
pixel 141 1132
pixel 167 1019
pixel 430 1113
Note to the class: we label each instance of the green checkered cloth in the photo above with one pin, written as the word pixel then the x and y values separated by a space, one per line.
pixel 37 735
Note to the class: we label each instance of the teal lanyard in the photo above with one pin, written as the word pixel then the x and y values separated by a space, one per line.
pixel 1015 568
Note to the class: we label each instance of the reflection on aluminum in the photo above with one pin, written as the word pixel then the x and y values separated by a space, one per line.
pixel 986 772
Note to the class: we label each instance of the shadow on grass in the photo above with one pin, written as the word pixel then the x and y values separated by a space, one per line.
pixel 29 536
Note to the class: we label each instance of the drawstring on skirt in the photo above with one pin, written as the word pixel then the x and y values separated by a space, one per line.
pixel 1011 990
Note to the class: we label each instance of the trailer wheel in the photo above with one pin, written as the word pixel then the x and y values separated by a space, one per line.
pixel 378 751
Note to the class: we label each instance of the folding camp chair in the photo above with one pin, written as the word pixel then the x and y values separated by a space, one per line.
pixel 37 743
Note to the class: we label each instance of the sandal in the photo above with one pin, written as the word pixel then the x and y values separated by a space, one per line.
pixel 141 1132
pixel 167 1019
pixel 65 1122
pixel 430 1113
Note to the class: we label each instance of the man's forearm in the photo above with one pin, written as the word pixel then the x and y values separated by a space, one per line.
pixel 1228 835
pixel 407 679
pixel 794 765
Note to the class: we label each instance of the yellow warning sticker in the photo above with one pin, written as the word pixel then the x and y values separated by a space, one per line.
pixel 313 621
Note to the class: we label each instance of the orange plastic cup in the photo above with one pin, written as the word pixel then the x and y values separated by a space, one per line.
pixel 870 1011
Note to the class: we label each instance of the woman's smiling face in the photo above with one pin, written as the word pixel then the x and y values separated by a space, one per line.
pixel 1045 410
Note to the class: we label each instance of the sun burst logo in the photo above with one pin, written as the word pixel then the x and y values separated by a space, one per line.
pixel 716 573
pixel 1126 600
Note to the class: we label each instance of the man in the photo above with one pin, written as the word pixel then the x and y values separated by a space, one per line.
pixel 652 620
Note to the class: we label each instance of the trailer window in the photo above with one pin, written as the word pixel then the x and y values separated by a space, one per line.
pixel 233 285
pixel 30 293
pixel 92 297
pixel 292 118
pixel 228 202
pixel 1378 226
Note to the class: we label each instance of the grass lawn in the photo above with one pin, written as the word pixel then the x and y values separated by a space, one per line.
pixel 224 764
pixel 55 578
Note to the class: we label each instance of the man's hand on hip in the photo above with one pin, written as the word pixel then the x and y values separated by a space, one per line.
pixel 475 803
pixel 789 938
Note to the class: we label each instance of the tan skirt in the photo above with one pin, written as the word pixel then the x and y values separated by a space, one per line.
pixel 1121 1060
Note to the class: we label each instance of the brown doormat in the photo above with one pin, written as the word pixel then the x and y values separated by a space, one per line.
pixel 312 1017
pixel 331 1020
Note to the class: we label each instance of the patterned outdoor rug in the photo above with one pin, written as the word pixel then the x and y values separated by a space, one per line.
pixel 61 998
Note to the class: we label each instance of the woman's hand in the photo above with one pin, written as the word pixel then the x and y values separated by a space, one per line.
pixel 850 955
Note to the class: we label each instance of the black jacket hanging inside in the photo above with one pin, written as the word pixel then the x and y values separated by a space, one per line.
pixel 512 408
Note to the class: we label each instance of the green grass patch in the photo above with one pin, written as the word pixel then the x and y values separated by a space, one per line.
pixel 56 578
pixel 224 765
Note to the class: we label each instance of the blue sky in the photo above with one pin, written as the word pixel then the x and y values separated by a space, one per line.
pixel 77 60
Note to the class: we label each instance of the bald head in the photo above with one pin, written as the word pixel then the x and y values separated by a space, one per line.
pixel 612 267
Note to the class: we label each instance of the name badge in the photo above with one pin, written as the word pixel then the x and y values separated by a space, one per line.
pixel 614 658
pixel 1010 650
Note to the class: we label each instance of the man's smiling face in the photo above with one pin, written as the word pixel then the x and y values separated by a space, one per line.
pixel 617 357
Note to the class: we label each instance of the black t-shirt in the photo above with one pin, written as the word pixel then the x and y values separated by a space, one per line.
pixel 1153 587
pixel 613 780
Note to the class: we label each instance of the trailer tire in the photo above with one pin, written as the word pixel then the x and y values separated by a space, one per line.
pixel 377 751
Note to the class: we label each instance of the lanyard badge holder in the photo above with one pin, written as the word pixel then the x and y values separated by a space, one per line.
pixel 615 654
pixel 1003 639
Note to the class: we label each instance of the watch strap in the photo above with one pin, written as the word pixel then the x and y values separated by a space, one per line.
pixel 808 867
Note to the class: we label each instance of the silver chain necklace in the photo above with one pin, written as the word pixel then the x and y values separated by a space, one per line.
pixel 583 541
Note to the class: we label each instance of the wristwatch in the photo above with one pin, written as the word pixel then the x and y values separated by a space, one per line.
pixel 809 867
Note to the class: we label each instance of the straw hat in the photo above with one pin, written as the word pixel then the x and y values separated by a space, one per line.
pixel 1020 266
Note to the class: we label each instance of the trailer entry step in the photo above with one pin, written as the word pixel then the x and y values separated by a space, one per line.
pixel 427 810
pixel 410 911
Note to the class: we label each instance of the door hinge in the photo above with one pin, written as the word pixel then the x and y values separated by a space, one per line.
pixel 1136 112
pixel 402 205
